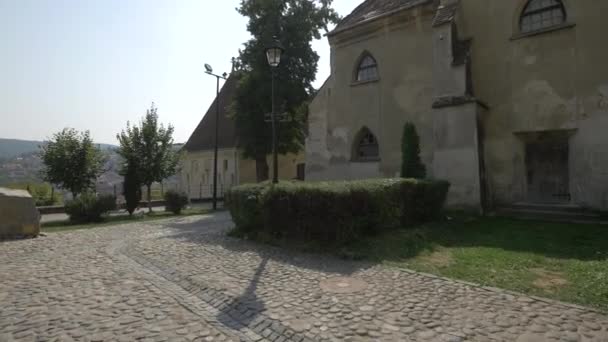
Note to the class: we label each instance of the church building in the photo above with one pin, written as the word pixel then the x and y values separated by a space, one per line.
pixel 509 97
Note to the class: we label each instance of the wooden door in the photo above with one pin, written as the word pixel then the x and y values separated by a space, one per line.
pixel 547 171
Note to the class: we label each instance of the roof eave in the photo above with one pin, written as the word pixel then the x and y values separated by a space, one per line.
pixel 382 16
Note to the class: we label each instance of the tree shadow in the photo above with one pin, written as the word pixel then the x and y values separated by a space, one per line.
pixel 554 240
pixel 242 310
pixel 247 309
pixel 213 229
pixel 584 242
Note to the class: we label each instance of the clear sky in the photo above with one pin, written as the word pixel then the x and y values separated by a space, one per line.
pixel 95 64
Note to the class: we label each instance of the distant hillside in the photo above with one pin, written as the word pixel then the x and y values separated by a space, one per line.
pixel 11 148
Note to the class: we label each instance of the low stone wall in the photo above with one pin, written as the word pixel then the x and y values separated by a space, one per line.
pixel 59 209
pixel 18 214
pixel 53 209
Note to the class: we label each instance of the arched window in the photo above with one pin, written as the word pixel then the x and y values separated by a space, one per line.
pixel 366 146
pixel 541 14
pixel 367 70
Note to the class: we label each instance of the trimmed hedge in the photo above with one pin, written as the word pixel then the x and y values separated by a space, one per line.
pixel 334 211
pixel 89 207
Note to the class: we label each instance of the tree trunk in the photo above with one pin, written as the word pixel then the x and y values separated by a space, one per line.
pixel 261 168
pixel 149 186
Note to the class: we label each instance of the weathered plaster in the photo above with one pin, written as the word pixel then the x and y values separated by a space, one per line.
pixel 402 93
pixel 553 81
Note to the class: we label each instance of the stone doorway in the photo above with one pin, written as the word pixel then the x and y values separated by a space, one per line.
pixel 548 176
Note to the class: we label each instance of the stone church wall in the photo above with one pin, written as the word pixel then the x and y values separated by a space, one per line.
pixel 554 81
pixel 548 84
pixel 402 93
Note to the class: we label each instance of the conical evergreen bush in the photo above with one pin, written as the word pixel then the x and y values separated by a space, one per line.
pixel 411 165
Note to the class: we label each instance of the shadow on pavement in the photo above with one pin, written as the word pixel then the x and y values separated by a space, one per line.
pixel 242 310
pixel 212 230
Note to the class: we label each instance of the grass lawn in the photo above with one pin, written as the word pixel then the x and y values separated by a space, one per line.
pixel 568 262
pixel 60 226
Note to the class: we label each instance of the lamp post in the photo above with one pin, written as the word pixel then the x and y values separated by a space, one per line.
pixel 209 71
pixel 273 54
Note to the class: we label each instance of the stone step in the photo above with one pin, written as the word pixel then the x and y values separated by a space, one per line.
pixel 567 207
pixel 551 213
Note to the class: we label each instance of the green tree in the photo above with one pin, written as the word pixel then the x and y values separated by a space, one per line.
pixel 131 187
pixel 295 23
pixel 71 161
pixel 149 148
pixel 411 166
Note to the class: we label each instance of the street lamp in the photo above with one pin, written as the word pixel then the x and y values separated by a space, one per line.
pixel 209 71
pixel 273 54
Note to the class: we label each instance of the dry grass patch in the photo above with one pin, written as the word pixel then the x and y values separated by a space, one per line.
pixel 548 280
pixel 568 262
pixel 441 257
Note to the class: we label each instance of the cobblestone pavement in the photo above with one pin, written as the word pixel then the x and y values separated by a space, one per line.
pixel 185 280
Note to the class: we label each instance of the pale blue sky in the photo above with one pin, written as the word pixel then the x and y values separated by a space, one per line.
pixel 94 64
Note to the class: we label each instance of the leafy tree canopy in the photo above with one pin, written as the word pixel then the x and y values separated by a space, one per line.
pixel 148 148
pixel 71 161
pixel 295 23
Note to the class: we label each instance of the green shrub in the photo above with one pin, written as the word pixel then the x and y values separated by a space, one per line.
pixel 334 211
pixel 411 165
pixel 175 202
pixel 89 207
pixel 245 203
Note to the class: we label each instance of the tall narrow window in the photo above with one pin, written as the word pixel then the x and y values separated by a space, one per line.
pixel 541 14
pixel 367 69
pixel 366 146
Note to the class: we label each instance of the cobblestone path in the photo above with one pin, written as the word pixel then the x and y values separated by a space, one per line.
pixel 184 280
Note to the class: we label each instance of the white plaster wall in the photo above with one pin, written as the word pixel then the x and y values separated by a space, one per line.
pixel 197 182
